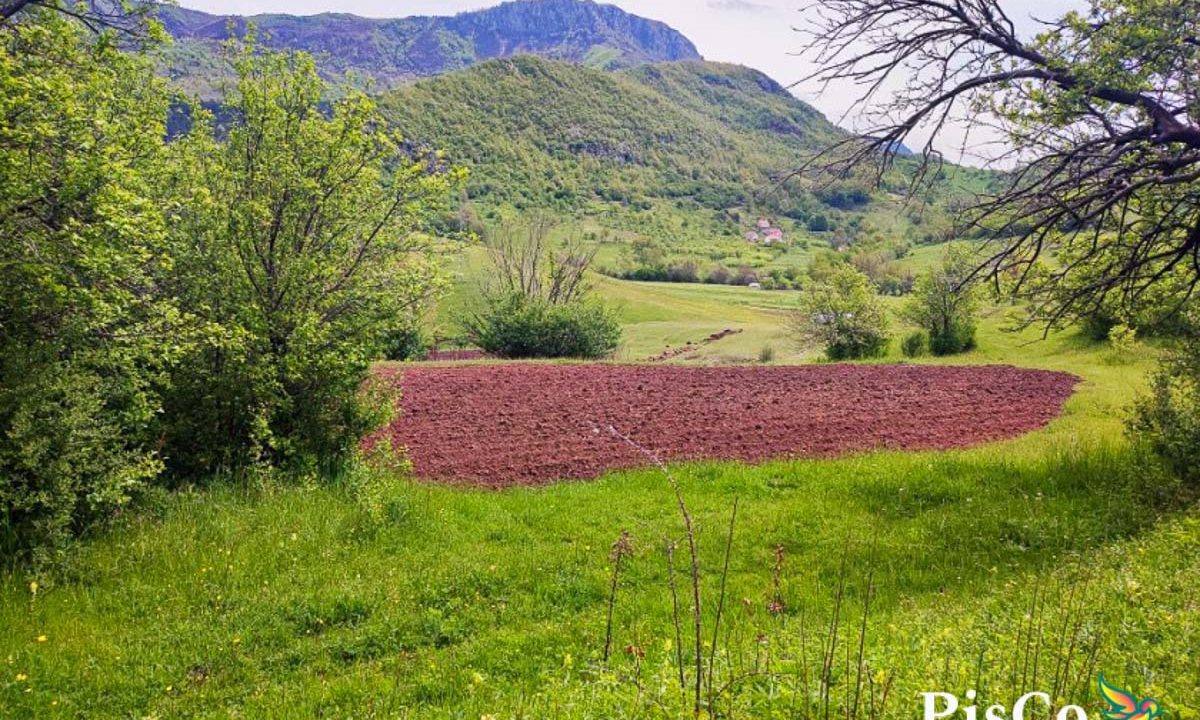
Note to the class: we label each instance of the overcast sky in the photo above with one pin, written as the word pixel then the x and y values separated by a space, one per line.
pixel 758 33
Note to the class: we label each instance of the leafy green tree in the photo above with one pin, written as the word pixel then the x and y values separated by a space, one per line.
pixel 306 247
pixel 842 314
pixel 85 329
pixel 944 303
pixel 134 22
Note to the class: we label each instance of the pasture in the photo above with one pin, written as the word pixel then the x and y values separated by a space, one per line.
pixel 1031 561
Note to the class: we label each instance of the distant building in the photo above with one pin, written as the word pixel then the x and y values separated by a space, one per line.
pixel 773 235
pixel 751 237
pixel 764 223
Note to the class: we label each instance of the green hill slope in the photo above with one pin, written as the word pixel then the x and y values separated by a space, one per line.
pixel 681 158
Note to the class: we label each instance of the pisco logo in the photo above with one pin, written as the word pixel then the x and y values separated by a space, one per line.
pixel 1121 705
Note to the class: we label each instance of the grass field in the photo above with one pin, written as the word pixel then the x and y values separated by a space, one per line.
pixel 1028 564
pixel 656 316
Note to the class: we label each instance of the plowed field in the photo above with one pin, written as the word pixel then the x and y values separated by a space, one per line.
pixel 525 424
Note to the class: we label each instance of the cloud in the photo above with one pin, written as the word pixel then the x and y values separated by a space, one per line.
pixel 739 6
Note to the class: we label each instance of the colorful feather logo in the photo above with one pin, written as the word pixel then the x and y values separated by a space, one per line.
pixel 1124 706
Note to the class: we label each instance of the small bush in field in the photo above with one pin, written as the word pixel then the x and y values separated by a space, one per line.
pixel 944 303
pixel 515 326
pixel 406 342
pixel 1122 338
pixel 915 344
pixel 1167 419
pixel 766 354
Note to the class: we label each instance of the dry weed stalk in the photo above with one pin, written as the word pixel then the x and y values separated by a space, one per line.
pixel 622 547
pixel 671 545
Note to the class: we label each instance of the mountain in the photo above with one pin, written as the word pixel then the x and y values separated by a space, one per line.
pixel 392 51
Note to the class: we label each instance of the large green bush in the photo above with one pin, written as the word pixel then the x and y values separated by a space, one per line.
pixel 206 304
pixel 843 315
pixel 305 247
pixel 407 340
pixel 516 326
pixel 85 332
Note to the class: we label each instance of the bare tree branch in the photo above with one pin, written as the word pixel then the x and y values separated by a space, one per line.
pixel 1102 115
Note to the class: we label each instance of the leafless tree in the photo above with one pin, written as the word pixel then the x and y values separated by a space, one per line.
pixel 528 262
pixel 1100 113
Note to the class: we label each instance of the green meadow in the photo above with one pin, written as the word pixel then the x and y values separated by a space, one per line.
pixel 1033 563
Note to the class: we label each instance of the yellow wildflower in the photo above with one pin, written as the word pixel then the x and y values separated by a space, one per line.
pixel 22 677
pixel 42 638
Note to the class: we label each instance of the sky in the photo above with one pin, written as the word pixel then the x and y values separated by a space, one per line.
pixel 757 33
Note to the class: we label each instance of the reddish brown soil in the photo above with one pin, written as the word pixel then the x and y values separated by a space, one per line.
pixel 502 425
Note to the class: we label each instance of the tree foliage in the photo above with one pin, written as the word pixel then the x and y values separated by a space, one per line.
pixel 86 330
pixel 130 23
pixel 843 315
pixel 306 250
pixel 1167 418
pixel 173 309
pixel 944 303
pixel 1101 111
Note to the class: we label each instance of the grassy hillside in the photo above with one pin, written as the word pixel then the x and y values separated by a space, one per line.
pixel 684 156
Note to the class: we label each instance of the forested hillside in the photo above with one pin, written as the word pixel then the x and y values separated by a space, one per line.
pixel 612 124
pixel 677 161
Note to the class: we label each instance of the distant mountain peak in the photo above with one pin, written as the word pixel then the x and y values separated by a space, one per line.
pixel 392 51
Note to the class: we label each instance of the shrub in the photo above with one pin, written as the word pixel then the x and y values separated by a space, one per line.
pixel 944 304
pixel 85 332
pixel 719 275
pixel 407 341
pixel 516 326
pixel 915 344
pixel 844 315
pixel 684 272
pixel 1122 338
pixel 1167 419
pixel 766 354
pixel 745 275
